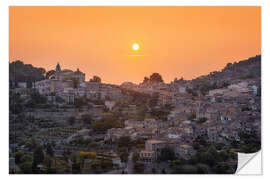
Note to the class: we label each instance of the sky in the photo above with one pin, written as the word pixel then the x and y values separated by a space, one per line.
pixel 174 41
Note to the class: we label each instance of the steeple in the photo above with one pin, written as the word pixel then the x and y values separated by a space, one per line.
pixel 58 68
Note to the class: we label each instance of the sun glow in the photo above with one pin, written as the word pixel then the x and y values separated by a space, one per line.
pixel 135 47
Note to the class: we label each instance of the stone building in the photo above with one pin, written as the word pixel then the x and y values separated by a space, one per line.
pixel 68 74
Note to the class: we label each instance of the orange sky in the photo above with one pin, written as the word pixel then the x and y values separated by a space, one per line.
pixel 175 41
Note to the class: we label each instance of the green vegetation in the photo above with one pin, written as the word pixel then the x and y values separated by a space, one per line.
pixel 79 102
pixel 185 169
pixel 207 160
pixel 18 156
pixel 138 167
pixel 26 167
pixel 245 108
pixel 107 122
pixel 202 120
pixel 250 143
pixel 15 101
pixel 135 157
pixel 20 72
pixel 124 141
pixel 192 92
pixel 76 169
pixel 123 153
pixel 38 156
pixel 87 119
pixel 95 79
pixel 154 78
pixel 204 89
pixel 166 154
pixel 138 97
pixel 24 161
pixel 36 99
pixel 222 167
pixel 71 120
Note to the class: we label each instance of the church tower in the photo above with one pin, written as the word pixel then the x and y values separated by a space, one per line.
pixel 58 68
pixel 57 71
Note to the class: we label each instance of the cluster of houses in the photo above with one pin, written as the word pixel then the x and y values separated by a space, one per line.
pixel 217 117
pixel 63 86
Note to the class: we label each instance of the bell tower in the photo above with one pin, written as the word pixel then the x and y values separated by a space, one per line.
pixel 57 71
pixel 58 68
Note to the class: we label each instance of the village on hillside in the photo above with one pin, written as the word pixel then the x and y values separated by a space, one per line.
pixel 60 123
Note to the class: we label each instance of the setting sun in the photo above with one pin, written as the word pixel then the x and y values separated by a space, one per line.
pixel 115 36
pixel 135 47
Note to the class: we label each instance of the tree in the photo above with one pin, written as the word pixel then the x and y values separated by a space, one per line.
pixel 229 65
pixel 85 155
pixel 124 156
pixel 209 157
pixel 163 171
pixel 124 141
pixel 79 102
pixel 107 122
pixel 27 158
pixel 166 154
pixel 192 92
pixel 18 156
pixel 175 163
pixel 71 120
pixel 26 167
pixel 49 150
pixel 106 164
pixel 202 168
pixel 224 155
pixel 31 144
pixel 146 80
pixel 87 118
pixel 95 79
pixel 139 142
pixel 156 78
pixel 139 167
pixel 76 169
pixel 37 98
pixel 201 120
pixel 185 169
pixel 222 168
pixel 48 162
pixel 16 108
pixel 20 72
pixel 38 156
pixel 135 157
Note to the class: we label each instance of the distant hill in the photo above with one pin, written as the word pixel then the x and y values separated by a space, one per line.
pixel 233 72
pixel 20 72
pixel 244 69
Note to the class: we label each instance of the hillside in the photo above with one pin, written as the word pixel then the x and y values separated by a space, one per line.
pixel 232 73
pixel 20 72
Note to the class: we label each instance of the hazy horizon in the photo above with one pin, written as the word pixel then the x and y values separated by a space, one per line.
pixel 143 75
pixel 174 41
